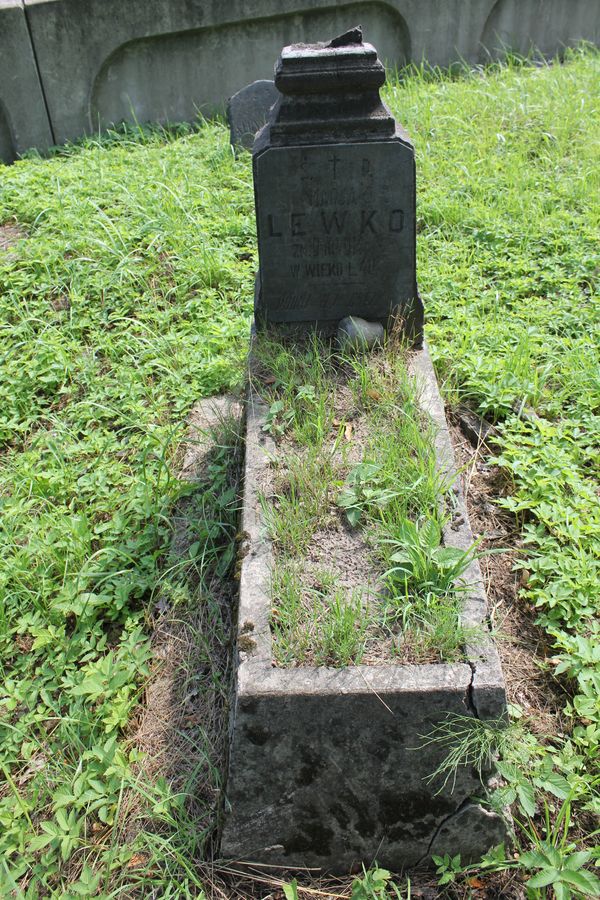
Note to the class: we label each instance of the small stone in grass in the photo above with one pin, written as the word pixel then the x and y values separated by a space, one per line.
pixel 357 334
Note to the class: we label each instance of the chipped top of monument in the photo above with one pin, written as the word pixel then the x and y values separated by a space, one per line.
pixel 330 92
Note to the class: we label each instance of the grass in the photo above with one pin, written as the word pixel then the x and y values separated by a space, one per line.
pixel 303 501
pixel 129 298
pixel 469 742
pixel 127 301
pixel 322 625
pixel 508 261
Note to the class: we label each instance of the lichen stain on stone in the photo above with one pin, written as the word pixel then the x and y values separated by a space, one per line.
pixel 364 824
pixel 249 706
pixel 312 764
pixel 412 813
pixel 306 776
pixel 311 836
pixel 257 735
pixel 340 815
pixel 246 644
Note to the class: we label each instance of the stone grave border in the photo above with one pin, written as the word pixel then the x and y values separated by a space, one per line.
pixel 264 693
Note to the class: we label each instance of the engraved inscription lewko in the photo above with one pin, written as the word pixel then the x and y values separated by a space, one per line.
pixel 339 223
pixel 300 224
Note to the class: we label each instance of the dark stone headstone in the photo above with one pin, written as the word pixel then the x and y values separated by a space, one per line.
pixel 247 111
pixel 334 181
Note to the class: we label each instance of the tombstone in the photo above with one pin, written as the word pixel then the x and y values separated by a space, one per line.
pixel 334 183
pixel 248 110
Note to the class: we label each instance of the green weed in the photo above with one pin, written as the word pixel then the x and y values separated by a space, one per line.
pixel 424 589
pixel 469 742
pixel 363 490
pixel 342 629
pixel 376 884
pixel 507 256
pixel 116 316
pixel 303 500
pixel 301 380
pixel 554 860
pixel 421 567
pixel 396 478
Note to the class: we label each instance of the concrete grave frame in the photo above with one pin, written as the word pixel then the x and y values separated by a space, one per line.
pixel 327 766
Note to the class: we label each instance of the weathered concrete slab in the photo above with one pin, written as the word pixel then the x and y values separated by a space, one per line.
pixel 327 766
pixel 104 61
pixel 209 421
pixel 206 418
pixel 24 122
pixel 348 247
pixel 247 111
pixel 545 27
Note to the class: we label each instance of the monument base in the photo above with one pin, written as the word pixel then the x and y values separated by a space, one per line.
pixel 408 318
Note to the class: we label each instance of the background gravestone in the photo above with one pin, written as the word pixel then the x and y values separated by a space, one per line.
pixel 334 181
pixel 248 110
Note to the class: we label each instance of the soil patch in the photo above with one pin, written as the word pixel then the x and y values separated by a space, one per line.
pixel 10 234
pixel 523 647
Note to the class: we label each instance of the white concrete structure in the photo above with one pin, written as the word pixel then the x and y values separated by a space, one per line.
pixel 91 63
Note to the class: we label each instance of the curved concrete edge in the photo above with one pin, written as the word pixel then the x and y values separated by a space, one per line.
pixel 24 122
pixel 331 767
pixel 147 60
pixel 105 61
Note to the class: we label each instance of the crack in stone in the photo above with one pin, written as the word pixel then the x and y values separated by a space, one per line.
pixel 468 801
pixel 470 692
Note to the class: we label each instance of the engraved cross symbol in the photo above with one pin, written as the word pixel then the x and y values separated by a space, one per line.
pixel 334 160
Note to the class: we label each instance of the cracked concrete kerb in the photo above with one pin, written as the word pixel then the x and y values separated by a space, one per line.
pixel 328 767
